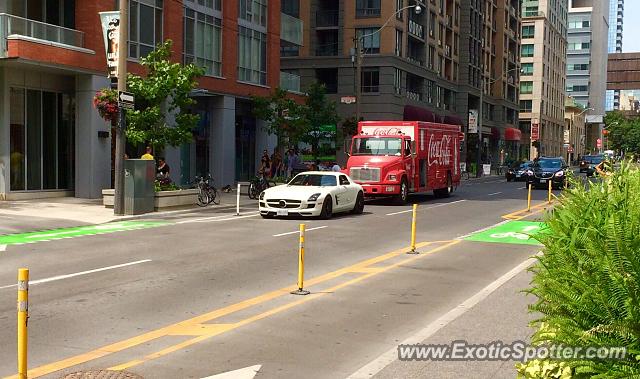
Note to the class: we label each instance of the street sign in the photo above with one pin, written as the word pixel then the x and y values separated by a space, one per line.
pixel 348 99
pixel 126 100
pixel 535 132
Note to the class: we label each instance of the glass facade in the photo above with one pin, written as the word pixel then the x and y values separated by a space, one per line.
pixel 252 56
pixel 203 39
pixel 145 26
pixel 41 140
pixel 615 45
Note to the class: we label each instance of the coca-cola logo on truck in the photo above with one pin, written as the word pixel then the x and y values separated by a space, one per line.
pixel 440 151
pixel 386 131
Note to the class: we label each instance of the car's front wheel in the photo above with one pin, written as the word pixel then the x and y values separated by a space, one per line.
pixel 327 208
pixel 358 208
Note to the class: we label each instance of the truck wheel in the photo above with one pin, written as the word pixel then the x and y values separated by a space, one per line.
pixel 401 199
pixel 445 192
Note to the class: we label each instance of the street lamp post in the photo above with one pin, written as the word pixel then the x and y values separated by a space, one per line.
pixel 481 116
pixel 358 58
pixel 118 198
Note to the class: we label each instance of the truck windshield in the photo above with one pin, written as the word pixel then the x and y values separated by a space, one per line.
pixel 377 146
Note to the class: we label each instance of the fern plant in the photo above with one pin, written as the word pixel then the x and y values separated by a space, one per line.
pixel 587 283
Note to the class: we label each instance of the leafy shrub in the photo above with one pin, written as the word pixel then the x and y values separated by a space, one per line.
pixel 587 283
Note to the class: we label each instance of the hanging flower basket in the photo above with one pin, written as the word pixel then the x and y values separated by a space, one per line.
pixel 106 102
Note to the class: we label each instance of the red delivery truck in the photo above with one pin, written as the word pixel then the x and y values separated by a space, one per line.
pixel 396 158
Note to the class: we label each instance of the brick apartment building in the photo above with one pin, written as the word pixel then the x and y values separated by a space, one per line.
pixel 52 61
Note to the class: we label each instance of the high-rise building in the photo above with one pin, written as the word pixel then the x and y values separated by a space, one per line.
pixel 490 60
pixel 410 67
pixel 616 21
pixel 52 62
pixel 542 85
pixel 587 53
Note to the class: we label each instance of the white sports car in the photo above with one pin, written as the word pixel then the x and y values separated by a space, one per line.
pixel 313 194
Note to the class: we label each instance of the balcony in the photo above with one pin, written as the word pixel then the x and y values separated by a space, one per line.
pixel 11 25
pixel 291 29
pixel 327 19
pixel 414 95
pixel 289 81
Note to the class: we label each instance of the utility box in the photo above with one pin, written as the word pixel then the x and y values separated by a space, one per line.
pixel 139 193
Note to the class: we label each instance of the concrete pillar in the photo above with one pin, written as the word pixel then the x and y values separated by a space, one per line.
pixel 264 141
pixel 93 154
pixel 222 143
pixel 5 165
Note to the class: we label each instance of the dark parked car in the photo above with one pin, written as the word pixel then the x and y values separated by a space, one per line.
pixel 518 172
pixel 589 162
pixel 546 169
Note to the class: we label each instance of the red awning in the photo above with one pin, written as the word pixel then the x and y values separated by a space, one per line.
pixel 512 134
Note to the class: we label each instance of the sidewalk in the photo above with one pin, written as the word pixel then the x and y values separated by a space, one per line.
pixel 29 215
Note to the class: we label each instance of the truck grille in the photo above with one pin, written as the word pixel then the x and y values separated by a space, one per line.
pixel 364 174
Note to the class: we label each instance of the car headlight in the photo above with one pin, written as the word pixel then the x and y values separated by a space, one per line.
pixel 314 197
pixel 529 172
pixel 262 195
pixel 392 177
pixel 559 174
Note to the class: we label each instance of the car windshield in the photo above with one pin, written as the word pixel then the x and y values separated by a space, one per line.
pixel 525 165
pixel 554 164
pixel 315 180
pixel 595 159
pixel 377 146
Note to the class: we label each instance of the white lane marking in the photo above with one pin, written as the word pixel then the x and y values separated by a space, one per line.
pixel 494 194
pixel 297 231
pixel 521 188
pixel 61 277
pixel 3 247
pixel 243 373
pixel 226 217
pixel 483 229
pixel 431 207
pixel 378 364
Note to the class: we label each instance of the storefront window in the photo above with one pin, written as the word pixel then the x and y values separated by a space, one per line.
pixel 42 140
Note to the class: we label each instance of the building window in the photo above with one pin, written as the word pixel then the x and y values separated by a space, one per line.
pixel 215 5
pixel 291 7
pixel 579 24
pixel 254 11
pixel 399 6
pixel 329 78
pixel 370 40
pixel 528 31
pixel 526 87
pixel 367 8
pixel 578 67
pixel 527 50
pixel 397 81
pixel 526 105
pixel 252 56
pixel 527 69
pixel 579 45
pixel 42 145
pixel 430 86
pixel 145 27
pixel 203 41
pixel 371 80
pixel 398 50
pixel 578 88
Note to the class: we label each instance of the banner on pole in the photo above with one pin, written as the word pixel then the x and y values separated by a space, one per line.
pixel 473 121
pixel 111 33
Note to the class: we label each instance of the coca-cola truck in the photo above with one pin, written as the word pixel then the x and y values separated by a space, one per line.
pixel 396 158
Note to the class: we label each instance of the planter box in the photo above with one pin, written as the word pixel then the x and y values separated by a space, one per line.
pixel 163 199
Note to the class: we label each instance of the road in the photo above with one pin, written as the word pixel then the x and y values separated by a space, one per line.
pixel 195 295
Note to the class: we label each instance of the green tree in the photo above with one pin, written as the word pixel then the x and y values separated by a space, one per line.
pixel 623 133
pixel 319 112
pixel 283 116
pixel 162 95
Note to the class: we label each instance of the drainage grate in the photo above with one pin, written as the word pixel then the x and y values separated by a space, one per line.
pixel 102 374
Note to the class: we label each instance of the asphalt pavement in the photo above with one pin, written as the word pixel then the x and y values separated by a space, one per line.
pixel 205 293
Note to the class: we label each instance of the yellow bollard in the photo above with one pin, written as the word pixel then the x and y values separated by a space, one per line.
pixel 23 316
pixel 550 184
pixel 413 230
pixel 529 199
pixel 301 290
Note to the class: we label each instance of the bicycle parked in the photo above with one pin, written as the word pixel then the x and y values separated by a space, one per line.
pixel 207 193
pixel 259 184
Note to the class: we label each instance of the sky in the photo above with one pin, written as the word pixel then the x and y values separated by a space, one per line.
pixel 631 27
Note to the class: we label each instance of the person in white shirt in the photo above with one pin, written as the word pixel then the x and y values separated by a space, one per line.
pixel 336 168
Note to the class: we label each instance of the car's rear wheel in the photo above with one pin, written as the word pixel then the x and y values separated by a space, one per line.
pixel 358 208
pixel 327 208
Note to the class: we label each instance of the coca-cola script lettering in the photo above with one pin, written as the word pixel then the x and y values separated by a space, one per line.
pixel 386 131
pixel 440 151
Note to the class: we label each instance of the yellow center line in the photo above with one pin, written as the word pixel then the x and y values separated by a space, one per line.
pixel 189 327
pixel 524 213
